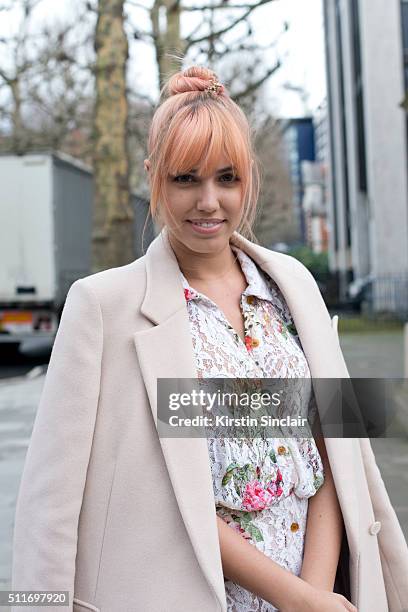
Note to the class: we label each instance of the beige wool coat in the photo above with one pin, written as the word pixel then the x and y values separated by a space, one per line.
pixel 124 520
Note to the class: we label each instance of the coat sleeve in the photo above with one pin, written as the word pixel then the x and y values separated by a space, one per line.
pixel 392 544
pixel 54 474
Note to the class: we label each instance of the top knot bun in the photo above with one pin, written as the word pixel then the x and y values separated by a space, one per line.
pixel 196 78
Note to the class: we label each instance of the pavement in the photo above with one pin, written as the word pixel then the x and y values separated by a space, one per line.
pixel 367 355
pixel 19 398
pixel 380 355
pixel 374 355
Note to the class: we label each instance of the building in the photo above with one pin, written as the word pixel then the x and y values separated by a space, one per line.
pixel 299 141
pixel 314 206
pixel 366 54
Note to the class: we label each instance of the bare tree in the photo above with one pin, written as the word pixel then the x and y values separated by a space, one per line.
pixel 276 221
pixel 113 216
pixel 222 29
pixel 44 88
pixel 11 77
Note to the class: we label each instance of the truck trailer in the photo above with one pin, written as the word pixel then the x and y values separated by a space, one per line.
pixel 46 202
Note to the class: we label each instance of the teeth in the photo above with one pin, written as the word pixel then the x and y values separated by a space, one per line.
pixel 203 224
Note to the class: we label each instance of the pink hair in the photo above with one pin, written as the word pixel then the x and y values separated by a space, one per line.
pixel 192 128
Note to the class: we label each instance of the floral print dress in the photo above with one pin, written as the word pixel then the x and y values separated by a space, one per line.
pixel 261 485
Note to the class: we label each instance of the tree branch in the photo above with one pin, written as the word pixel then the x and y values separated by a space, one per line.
pixel 223 5
pixel 215 35
pixel 255 84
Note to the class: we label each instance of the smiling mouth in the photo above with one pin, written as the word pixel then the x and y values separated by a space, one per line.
pixel 209 223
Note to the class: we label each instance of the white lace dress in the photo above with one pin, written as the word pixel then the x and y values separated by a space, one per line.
pixel 261 486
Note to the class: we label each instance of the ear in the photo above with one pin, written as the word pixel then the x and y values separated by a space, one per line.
pixel 147 165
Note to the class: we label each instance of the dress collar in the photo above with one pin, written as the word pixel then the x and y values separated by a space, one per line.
pixel 258 285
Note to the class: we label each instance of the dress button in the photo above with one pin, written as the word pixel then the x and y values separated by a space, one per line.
pixel 294 527
pixel 375 528
pixel 250 299
pixel 281 450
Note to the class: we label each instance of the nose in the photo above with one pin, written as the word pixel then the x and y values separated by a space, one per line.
pixel 208 198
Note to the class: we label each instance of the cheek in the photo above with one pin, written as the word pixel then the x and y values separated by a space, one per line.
pixel 173 213
pixel 178 199
pixel 235 202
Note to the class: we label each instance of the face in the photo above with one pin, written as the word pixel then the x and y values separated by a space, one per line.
pixel 205 210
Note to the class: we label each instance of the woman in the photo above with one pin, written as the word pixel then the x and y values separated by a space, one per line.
pixel 126 520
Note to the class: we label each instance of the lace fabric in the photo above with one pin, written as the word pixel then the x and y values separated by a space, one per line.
pixel 261 486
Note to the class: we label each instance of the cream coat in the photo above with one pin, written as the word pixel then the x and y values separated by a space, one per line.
pixel 125 521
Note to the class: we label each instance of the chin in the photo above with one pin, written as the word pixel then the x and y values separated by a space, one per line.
pixel 202 244
pixel 206 245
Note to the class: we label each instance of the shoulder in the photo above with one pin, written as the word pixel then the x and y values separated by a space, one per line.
pixel 114 285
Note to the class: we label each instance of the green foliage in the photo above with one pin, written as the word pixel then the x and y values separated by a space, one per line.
pixel 364 324
pixel 316 263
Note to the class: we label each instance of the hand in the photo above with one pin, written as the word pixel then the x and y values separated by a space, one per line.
pixel 324 601
pixel 310 599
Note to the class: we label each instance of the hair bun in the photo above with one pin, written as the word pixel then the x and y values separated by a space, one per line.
pixel 195 78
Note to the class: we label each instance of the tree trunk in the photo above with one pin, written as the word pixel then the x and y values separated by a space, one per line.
pixel 165 19
pixel 112 240
pixel 19 142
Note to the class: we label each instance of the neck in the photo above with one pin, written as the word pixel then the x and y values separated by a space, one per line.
pixel 204 267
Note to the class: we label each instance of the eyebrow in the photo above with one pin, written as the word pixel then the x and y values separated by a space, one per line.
pixel 227 169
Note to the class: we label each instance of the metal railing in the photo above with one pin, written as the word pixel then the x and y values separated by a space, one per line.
pixel 387 294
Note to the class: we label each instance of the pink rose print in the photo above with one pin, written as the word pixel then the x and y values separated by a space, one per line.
pixel 188 294
pixel 274 487
pixel 255 496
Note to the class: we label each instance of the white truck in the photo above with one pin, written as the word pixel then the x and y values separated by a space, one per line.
pixel 45 242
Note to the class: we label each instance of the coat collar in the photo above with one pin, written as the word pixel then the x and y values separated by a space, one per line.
pixel 166 351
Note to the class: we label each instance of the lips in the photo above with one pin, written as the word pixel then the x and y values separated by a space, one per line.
pixel 206 220
pixel 206 226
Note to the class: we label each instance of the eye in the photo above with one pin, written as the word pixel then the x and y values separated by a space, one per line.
pixel 184 178
pixel 229 177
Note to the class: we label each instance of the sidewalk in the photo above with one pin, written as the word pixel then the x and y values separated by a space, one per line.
pixel 18 402
pixel 381 355
pixel 372 355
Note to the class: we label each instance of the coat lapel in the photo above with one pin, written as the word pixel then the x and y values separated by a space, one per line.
pixel 166 351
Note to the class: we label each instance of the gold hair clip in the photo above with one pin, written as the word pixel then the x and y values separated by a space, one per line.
pixel 214 87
